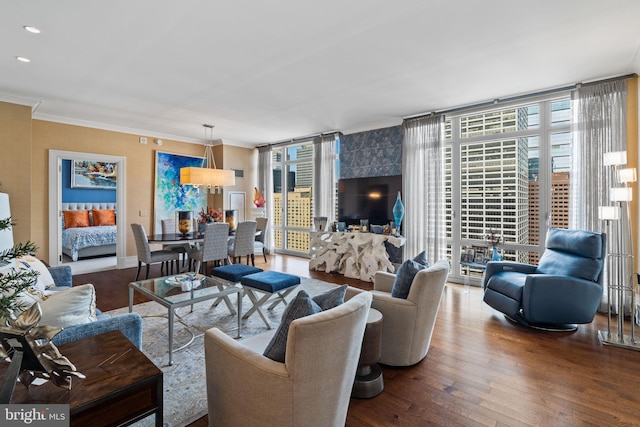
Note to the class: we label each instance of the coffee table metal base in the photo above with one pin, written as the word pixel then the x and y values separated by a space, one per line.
pixel 216 290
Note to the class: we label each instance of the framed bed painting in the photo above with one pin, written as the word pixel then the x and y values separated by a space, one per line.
pixel 169 195
pixel 94 174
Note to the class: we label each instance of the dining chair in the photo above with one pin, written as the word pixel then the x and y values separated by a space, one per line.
pixel 242 244
pixel 261 230
pixel 170 226
pixel 146 255
pixel 214 247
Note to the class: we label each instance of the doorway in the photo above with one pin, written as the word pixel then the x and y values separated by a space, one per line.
pixel 56 158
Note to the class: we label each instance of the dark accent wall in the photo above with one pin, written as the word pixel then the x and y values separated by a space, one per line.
pixel 372 153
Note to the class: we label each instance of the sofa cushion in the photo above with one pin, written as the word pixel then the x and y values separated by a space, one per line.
pixel 332 298
pixel 31 263
pixel 302 305
pixel 405 274
pixel 73 306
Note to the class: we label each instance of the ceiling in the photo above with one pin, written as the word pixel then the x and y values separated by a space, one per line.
pixel 265 72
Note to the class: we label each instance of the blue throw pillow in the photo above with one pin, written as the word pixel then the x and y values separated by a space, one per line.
pixel 404 277
pixel 331 298
pixel 421 258
pixel 301 306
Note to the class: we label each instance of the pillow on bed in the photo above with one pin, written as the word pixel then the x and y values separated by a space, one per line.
pixel 104 217
pixel 74 219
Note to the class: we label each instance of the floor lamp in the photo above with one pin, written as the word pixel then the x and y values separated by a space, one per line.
pixel 620 286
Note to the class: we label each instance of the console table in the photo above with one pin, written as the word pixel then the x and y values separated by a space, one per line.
pixel 356 255
pixel 121 386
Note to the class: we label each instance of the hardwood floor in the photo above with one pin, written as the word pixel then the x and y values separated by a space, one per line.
pixel 481 369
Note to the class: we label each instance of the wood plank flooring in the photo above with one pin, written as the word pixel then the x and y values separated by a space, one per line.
pixel 481 369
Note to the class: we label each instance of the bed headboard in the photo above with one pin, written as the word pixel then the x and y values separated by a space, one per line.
pixel 87 206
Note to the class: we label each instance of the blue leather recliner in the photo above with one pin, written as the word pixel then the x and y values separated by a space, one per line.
pixel 563 290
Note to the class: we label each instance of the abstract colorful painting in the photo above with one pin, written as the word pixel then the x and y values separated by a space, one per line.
pixel 170 196
pixel 94 175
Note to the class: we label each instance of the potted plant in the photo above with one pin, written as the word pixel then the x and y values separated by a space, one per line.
pixel 14 281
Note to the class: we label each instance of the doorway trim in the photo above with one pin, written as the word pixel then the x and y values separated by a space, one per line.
pixel 55 201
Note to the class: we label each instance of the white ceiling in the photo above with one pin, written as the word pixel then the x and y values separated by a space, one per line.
pixel 270 71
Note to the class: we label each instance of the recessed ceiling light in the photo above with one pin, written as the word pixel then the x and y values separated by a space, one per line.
pixel 32 29
pixel 23 59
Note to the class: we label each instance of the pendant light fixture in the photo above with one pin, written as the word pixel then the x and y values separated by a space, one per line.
pixel 209 177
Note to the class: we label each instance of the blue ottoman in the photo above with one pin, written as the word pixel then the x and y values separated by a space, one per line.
pixel 273 285
pixel 234 272
pixel 231 273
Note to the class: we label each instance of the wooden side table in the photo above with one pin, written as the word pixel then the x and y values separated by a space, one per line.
pixel 369 382
pixel 121 386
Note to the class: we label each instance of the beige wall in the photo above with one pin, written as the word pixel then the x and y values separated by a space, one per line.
pixel 24 172
pixel 15 166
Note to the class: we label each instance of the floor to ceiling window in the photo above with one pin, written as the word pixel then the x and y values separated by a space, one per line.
pixel 293 197
pixel 508 173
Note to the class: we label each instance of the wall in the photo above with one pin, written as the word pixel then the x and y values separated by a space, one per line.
pixel 24 173
pixel 70 194
pixel 372 153
pixel 15 166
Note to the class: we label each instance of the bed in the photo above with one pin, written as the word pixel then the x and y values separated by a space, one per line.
pixel 83 232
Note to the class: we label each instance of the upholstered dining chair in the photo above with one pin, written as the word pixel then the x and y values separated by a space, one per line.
pixel 214 246
pixel 147 256
pixel 261 230
pixel 311 388
pixel 562 291
pixel 169 226
pixel 242 243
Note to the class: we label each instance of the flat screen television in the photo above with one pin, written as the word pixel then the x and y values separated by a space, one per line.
pixel 368 198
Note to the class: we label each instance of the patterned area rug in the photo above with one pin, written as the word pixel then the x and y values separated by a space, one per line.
pixel 185 394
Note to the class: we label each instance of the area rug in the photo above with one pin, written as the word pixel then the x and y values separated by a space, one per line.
pixel 185 394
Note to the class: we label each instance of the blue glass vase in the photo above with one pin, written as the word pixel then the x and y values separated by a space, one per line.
pixel 398 212
pixel 496 254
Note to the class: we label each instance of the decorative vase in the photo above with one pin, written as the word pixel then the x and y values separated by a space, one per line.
pixel 496 254
pixel 398 213
pixel 185 218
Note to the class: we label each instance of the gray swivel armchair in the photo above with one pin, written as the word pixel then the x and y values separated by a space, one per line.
pixel 563 290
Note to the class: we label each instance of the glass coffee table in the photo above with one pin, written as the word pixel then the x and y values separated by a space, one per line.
pixel 178 291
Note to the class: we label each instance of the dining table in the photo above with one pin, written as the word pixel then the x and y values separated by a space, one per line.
pixel 166 238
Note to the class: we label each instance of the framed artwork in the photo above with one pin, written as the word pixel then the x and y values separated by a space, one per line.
pixel 169 195
pixel 94 174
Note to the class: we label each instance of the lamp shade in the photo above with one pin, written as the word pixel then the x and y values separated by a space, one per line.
pixel 207 177
pixel 621 194
pixel 611 213
pixel 627 175
pixel 615 158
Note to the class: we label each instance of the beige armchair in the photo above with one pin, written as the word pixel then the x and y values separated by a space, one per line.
pixel 312 387
pixel 407 324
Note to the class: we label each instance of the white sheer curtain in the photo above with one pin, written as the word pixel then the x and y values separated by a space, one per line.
pixel 599 127
pixel 324 177
pixel 265 184
pixel 423 195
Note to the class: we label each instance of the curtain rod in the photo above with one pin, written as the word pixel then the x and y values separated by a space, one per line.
pixel 498 101
pixel 300 138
